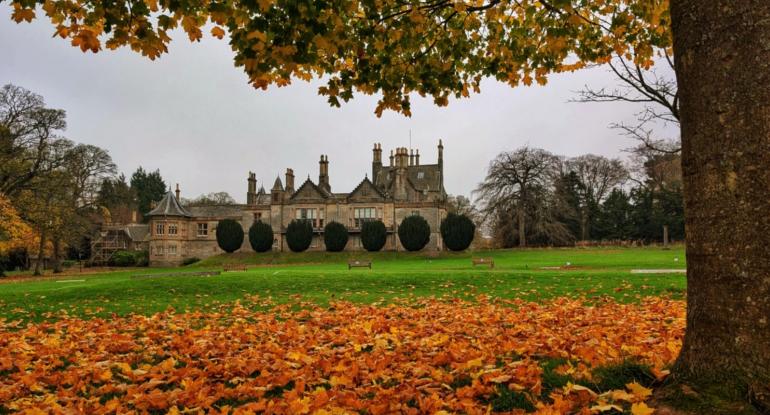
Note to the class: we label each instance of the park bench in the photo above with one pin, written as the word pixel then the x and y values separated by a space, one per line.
pixel 357 263
pixel 234 267
pixel 484 261
pixel 178 274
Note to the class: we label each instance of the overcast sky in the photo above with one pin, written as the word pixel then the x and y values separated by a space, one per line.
pixel 193 115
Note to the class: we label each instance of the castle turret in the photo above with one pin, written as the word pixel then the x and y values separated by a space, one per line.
pixel 277 191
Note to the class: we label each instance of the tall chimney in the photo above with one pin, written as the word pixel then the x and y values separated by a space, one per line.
pixel 323 173
pixel 440 153
pixel 391 158
pixel 417 157
pixel 289 181
pixel 177 192
pixel 251 193
pixel 411 157
pixel 376 161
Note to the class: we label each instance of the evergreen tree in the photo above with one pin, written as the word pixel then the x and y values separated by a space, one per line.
pixel 229 235
pixel 148 188
pixel 614 221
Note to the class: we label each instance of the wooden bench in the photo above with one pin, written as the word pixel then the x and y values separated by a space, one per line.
pixel 484 261
pixel 357 263
pixel 234 267
pixel 178 274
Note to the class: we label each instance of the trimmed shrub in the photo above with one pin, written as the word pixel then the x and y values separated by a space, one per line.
pixel 189 261
pixel 414 233
pixel 122 259
pixel 261 236
pixel 373 235
pixel 229 235
pixel 335 236
pixel 299 234
pixel 457 231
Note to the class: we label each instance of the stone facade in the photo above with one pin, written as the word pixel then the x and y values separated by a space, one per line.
pixel 402 188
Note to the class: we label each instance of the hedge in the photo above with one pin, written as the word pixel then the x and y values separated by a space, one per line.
pixel 457 231
pixel 299 234
pixel 261 236
pixel 124 258
pixel 229 235
pixel 373 235
pixel 335 236
pixel 414 233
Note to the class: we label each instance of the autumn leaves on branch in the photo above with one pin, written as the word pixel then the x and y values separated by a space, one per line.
pixel 438 48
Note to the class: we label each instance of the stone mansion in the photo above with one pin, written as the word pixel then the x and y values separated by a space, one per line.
pixel 399 189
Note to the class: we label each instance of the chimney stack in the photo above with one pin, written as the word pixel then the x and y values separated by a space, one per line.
pixel 391 158
pixel 289 181
pixel 417 157
pixel 251 193
pixel 411 157
pixel 177 192
pixel 440 153
pixel 323 173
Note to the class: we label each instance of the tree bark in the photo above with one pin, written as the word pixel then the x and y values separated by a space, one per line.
pixel 722 51
pixel 56 257
pixel 522 228
pixel 40 252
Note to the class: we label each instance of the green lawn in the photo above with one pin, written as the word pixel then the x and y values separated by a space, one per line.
pixel 321 277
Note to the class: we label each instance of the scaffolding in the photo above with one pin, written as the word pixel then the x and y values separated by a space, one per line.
pixel 112 238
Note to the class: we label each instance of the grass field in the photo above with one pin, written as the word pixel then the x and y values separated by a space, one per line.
pixel 321 277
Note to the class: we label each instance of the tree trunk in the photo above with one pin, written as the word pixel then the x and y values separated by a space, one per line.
pixel 40 253
pixel 56 257
pixel 584 224
pixel 522 229
pixel 722 51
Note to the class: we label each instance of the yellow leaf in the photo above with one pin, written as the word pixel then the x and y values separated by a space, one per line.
pixel 641 409
pixel 638 390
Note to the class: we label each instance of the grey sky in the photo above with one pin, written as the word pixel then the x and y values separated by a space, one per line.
pixel 192 114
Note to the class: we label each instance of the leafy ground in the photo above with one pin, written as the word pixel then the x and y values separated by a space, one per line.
pixel 323 277
pixel 303 334
pixel 423 356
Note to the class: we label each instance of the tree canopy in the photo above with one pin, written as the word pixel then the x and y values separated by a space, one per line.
pixel 437 48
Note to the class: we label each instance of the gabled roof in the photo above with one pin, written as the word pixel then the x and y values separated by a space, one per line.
pixel 169 206
pixel 309 184
pixel 137 232
pixel 367 182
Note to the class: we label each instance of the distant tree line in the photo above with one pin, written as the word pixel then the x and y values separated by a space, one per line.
pixel 531 197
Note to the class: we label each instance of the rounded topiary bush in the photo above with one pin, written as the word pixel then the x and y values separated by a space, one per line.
pixel 335 236
pixel 457 231
pixel 373 235
pixel 229 235
pixel 414 233
pixel 299 234
pixel 261 236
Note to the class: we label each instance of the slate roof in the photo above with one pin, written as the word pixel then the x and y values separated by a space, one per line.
pixel 216 211
pixel 379 191
pixel 169 206
pixel 430 181
pixel 137 232
pixel 324 193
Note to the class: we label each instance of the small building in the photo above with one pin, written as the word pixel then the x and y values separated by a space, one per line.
pixel 402 188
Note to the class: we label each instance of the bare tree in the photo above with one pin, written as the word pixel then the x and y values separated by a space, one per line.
pixel 511 184
pixel 210 199
pixel 28 138
pixel 656 88
pixel 598 175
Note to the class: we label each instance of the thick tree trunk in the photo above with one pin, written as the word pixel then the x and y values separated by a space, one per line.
pixel 522 228
pixel 40 253
pixel 56 257
pixel 722 51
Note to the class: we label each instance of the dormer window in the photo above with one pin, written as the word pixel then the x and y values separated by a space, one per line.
pixel 420 174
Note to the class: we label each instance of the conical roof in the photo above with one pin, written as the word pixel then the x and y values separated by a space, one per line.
pixel 278 185
pixel 169 206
